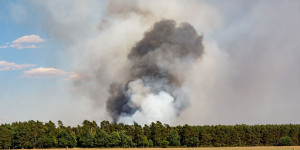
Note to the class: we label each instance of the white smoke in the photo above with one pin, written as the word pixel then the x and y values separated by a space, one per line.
pixel 138 92
pixel 153 107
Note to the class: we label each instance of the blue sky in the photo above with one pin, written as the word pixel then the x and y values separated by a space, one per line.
pixel 35 71
pixel 24 96
pixel 59 57
pixel 29 23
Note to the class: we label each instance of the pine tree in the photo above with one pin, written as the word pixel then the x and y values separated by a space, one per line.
pixel 6 137
pixel 174 138
pixel 114 139
pixel 101 138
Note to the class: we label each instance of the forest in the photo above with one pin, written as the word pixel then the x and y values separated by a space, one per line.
pixel 36 134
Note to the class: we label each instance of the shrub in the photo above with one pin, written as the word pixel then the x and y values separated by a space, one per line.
pixel 164 144
pixel 150 143
pixel 285 141
pixel 174 138
pixel 193 142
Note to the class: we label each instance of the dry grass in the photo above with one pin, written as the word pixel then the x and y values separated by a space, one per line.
pixel 200 148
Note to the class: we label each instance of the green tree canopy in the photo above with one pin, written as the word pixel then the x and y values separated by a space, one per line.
pixel 86 139
pixel 114 139
pixel 66 139
pixel 126 141
pixel 36 134
pixel 285 141
pixel 193 142
pixel 174 138
pixel 101 138
pixel 6 137
pixel 164 144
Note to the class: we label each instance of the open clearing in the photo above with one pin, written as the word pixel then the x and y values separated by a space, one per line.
pixel 199 148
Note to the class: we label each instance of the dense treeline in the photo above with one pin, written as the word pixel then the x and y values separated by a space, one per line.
pixel 35 134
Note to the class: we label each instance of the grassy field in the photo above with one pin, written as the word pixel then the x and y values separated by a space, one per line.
pixel 204 148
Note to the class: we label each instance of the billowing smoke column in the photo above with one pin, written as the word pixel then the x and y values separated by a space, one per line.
pixel 158 63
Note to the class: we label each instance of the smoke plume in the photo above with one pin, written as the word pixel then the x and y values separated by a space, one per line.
pixel 131 60
pixel 158 62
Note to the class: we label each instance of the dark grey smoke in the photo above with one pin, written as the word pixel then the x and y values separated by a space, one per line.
pixel 159 59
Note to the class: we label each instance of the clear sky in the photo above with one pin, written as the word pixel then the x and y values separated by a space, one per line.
pixel 251 73
pixel 24 96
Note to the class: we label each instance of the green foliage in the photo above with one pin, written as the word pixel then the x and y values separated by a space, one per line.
pixel 36 134
pixel 138 134
pixel 46 142
pixel 106 126
pixel 150 143
pixel 285 141
pixel 114 139
pixel 47 136
pixel 86 139
pixel 158 133
pixel 147 131
pixel 6 137
pixel 234 137
pixel 174 138
pixel 66 140
pixel 26 134
pixel 205 136
pixel 193 142
pixel 145 142
pixel 60 124
pixel 164 144
pixel 126 141
pixel 72 141
pixel 101 138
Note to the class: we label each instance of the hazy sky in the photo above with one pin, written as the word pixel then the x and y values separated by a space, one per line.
pixel 250 73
